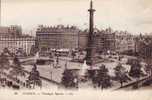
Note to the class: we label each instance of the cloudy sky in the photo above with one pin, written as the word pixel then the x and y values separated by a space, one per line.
pixel 134 16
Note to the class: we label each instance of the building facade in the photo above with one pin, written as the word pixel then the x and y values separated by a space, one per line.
pixel 109 40
pixel 104 41
pixel 143 44
pixel 16 44
pixel 11 37
pixel 60 37
pixel 11 31
pixel 124 41
pixel 82 40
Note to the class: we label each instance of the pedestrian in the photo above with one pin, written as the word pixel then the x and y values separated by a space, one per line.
pixel 121 82
pixel 75 80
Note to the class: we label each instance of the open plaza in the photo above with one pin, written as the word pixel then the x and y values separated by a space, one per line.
pixel 65 57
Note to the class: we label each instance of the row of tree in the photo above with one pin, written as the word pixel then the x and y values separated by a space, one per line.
pixel 16 70
pixel 101 78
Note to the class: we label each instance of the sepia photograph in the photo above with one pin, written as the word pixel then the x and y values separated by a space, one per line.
pixel 76 49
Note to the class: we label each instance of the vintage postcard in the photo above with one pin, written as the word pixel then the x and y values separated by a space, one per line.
pixel 76 49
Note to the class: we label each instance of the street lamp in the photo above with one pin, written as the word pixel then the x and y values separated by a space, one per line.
pixel 66 65
pixel 51 68
pixel 51 73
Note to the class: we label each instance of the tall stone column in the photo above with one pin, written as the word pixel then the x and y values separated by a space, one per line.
pixel 90 47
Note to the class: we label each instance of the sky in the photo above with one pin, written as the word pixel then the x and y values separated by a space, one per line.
pixel 135 16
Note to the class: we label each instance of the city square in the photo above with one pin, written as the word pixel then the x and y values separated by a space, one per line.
pixel 66 57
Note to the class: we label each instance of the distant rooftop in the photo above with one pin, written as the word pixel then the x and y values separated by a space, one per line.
pixel 57 29
pixel 4 29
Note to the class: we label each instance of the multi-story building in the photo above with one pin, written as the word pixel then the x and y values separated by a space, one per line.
pixel 17 44
pixel 82 39
pixel 124 41
pixel 15 30
pixel 105 40
pixel 143 46
pixel 12 38
pixel 59 37
pixel 11 31
pixel 108 40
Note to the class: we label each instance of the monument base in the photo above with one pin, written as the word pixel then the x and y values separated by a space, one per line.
pixel 93 61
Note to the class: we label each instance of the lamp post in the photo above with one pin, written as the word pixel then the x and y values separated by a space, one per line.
pixel 66 64
pixel 51 71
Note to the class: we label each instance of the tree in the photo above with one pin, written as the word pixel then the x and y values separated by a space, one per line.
pixel 121 74
pixel 34 77
pixel 21 52
pixel 67 79
pixel 135 70
pixel 17 69
pixel 6 52
pixel 4 62
pixel 102 77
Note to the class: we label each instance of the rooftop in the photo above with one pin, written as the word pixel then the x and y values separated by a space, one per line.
pixel 57 29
